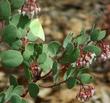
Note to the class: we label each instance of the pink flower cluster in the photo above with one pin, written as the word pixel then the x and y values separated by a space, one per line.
pixel 30 8
pixel 25 41
pixel 85 93
pixel 85 59
pixel 35 69
pixel 105 51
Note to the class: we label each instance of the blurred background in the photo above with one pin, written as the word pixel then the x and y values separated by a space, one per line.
pixel 60 17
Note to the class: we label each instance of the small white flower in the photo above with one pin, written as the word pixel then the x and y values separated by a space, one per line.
pixel 87 58
pixel 30 8
pixel 85 93
pixel 23 13
pixel 93 55
pixel 105 51
pixel 92 92
pixel 19 11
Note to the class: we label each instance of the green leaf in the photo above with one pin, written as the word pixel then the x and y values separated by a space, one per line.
pixel 45 49
pixel 20 21
pixel 67 54
pixel 18 90
pixel 71 82
pixel 54 47
pixel 11 58
pixel 71 54
pixel 29 50
pixel 21 33
pixel 5 9
pixel 86 78
pixel 31 37
pixel 15 19
pixel 82 39
pixel 24 101
pixel 10 34
pixel 55 68
pixel 68 40
pixel 33 90
pixel 16 4
pixel 16 99
pixel 17 45
pixel 69 73
pixel 83 32
pixel 36 29
pixel 75 54
pixel 93 49
pixel 97 35
pixel 27 73
pixel 8 93
pixel 42 58
pixel 47 65
pixel 82 70
pixel 23 22
pixel 2 97
pixel 13 80
pixel 39 49
pixel 55 72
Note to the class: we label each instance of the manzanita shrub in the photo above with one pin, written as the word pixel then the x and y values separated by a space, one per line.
pixel 66 62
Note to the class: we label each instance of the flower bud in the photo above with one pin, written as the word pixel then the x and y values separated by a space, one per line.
pixel 105 51
pixel 85 59
pixel 35 69
pixel 30 8
pixel 25 41
pixel 85 93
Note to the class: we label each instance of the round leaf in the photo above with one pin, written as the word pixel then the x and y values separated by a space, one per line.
pixel 24 101
pixel 2 97
pixel 53 47
pixel 23 21
pixel 5 10
pixel 75 54
pixel 86 78
pixel 42 57
pixel 29 50
pixel 47 65
pixel 36 29
pixel 93 49
pixel 11 58
pixel 18 90
pixel 97 35
pixel 82 39
pixel 17 44
pixel 33 90
pixel 16 99
pixel 28 74
pixel 10 34
pixel 8 93
pixel 68 40
pixel 15 19
pixel 71 82
pixel 13 80
pixel 17 3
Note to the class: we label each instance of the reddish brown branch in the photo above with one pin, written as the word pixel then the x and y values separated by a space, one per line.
pixel 59 83
pixel 46 75
pixel 54 85
pixel 25 93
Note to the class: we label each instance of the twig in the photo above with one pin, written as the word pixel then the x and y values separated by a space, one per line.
pixel 54 85
pixel 59 83
pixel 25 93
pixel 46 75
